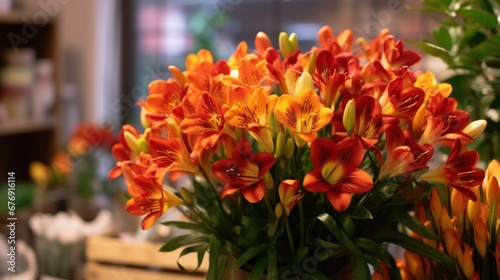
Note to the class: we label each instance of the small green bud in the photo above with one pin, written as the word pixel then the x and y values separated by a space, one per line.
pixel 349 117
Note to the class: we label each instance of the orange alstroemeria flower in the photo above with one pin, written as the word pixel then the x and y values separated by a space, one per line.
pixel 164 96
pixel 244 171
pixel 171 155
pixel 130 149
pixel 331 74
pixel 288 194
pixel 86 136
pixel 395 57
pixel 336 171
pixel 304 115
pixel 152 200
pixel 208 123
pixel 369 122
pixel 254 116
pixel 459 171
pixel 403 157
pixel 343 42
pixel 404 100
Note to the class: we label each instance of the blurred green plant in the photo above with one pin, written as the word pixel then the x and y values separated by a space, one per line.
pixel 468 41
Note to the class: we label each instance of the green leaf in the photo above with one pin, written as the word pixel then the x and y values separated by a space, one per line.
pixel 183 240
pixel 200 250
pixel 360 212
pixel 186 225
pixel 443 38
pixel 434 50
pixel 253 222
pixel 272 265
pixel 347 223
pixel 215 269
pixel 360 270
pixel 371 247
pixel 413 245
pixel 413 224
pixel 248 255
pixel 258 269
pixel 490 47
pixel 475 15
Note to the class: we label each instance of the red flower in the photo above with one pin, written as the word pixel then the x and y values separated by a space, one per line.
pixel 336 171
pixel 459 171
pixel 244 172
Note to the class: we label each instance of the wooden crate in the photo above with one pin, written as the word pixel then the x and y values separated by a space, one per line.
pixel 109 258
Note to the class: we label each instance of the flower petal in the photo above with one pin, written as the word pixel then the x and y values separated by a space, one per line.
pixel 339 200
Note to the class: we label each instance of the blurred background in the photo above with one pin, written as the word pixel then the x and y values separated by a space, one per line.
pixel 71 72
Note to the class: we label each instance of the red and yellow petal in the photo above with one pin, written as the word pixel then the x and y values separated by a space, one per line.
pixel 255 192
pixel 339 200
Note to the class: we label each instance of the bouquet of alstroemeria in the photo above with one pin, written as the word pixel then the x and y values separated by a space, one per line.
pixel 303 165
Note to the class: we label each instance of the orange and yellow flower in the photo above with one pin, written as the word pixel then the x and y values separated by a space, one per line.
pixel 289 194
pixel 254 116
pixel 304 115
pixel 151 200
pixel 208 123
pixel 244 171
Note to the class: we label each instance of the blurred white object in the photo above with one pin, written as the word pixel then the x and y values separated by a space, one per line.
pixel 60 240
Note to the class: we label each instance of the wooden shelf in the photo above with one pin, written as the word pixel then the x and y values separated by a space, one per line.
pixel 108 256
pixel 8 128
pixel 18 17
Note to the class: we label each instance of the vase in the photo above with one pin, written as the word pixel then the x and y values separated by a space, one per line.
pixel 337 268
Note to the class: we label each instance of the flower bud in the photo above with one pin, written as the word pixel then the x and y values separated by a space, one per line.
pixel 262 42
pixel 294 41
pixel 288 44
pixel 304 82
pixel 492 191
pixel 419 120
pixel 311 68
pixel 413 264
pixel 280 145
pixel 289 148
pixel 349 117
pixel 451 244
pixel 178 75
pixel 268 180
pixel 481 236
pixel 473 210
pixel 458 205
pixel 131 142
pixel 467 263
pixel 475 128
pixel 187 196
pixel 278 210
pixel 444 220
pixel 143 145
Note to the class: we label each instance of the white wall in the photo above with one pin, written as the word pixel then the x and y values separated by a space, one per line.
pixel 89 55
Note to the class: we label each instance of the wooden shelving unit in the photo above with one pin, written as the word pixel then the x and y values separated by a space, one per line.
pixel 112 258
pixel 27 140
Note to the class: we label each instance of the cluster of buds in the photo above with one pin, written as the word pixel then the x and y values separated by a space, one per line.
pixel 468 230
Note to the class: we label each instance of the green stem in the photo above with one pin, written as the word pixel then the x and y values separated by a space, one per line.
pixel 289 233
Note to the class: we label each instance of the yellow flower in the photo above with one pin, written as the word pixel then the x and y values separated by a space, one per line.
pixel 254 116
pixel 304 115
